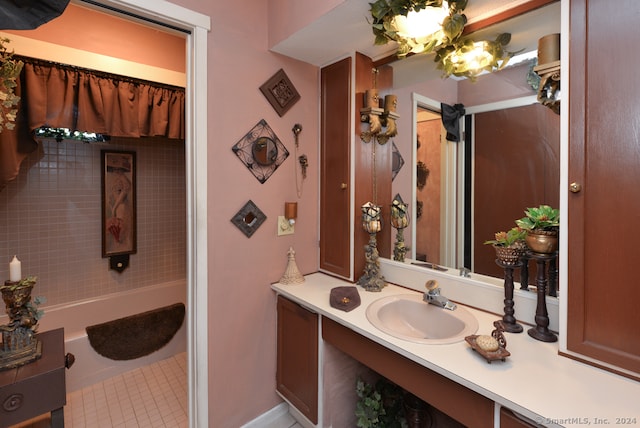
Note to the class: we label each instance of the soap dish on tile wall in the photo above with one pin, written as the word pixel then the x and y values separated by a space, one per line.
pixel 490 355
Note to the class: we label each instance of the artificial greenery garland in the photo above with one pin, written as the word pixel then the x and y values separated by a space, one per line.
pixel 9 72
pixel 448 44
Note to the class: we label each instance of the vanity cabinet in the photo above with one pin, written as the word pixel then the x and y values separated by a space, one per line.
pixel 344 190
pixel 509 419
pixel 603 203
pixel 449 397
pixel 297 360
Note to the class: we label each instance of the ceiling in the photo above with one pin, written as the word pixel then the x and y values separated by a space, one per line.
pixel 346 29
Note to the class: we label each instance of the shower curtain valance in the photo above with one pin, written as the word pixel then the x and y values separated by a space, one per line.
pixel 62 96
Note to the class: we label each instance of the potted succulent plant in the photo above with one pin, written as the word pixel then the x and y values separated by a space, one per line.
pixel 509 245
pixel 542 224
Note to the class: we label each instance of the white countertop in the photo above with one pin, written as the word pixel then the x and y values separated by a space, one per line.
pixel 535 381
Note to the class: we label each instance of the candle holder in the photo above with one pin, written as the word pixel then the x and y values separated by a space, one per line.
pixel 399 220
pixel 508 319
pixel 19 345
pixel 371 280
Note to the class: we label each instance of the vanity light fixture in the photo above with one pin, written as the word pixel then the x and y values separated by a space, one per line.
pixel 392 22
pixel 475 58
pixel 421 25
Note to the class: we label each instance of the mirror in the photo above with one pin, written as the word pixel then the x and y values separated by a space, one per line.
pixel 261 151
pixel 265 151
pixel 458 207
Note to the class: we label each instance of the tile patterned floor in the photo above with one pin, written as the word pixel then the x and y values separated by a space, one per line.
pixel 153 396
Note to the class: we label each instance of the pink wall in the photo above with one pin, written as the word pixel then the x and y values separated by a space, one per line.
pixel 242 310
pixel 124 39
pixel 288 16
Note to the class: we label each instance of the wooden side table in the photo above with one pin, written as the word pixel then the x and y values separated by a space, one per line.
pixel 38 387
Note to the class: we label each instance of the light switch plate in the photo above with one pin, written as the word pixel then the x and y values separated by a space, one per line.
pixel 284 227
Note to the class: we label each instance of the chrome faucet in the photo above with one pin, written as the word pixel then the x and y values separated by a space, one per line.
pixel 433 297
pixel 465 272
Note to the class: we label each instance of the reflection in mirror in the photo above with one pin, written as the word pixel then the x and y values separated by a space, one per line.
pixel 429 144
pixel 516 164
pixel 457 210
pixel 265 151
pixel 249 219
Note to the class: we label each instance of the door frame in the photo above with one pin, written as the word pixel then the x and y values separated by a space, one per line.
pixel 197 26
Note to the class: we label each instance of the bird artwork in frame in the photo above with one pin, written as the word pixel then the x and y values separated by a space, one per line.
pixel 118 203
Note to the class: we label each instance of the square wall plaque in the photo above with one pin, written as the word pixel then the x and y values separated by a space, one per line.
pixel 249 218
pixel 280 92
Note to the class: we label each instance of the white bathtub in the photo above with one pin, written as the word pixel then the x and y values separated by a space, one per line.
pixel 90 367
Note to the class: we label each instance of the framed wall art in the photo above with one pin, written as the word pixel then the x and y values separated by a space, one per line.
pixel 280 92
pixel 118 203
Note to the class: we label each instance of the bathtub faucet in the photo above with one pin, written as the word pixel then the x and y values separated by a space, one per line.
pixel 433 297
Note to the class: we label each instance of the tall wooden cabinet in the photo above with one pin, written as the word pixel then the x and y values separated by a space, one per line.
pixel 604 176
pixel 344 190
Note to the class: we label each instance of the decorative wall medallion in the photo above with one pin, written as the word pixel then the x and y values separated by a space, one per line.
pixel 280 92
pixel 249 218
pixel 396 161
pixel 261 151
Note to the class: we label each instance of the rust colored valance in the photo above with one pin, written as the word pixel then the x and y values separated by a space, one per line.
pixel 61 96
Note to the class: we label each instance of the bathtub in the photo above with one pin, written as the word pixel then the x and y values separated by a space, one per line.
pixel 90 367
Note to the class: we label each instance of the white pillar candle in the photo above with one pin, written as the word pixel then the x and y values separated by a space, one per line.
pixel 15 270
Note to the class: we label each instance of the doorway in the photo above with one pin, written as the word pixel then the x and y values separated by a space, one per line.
pixel 197 26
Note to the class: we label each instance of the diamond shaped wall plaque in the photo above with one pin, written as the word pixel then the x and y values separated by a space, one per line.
pixel 261 151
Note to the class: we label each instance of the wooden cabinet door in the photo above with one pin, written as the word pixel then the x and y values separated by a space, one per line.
pixel 604 159
pixel 339 149
pixel 335 175
pixel 297 360
pixel 509 420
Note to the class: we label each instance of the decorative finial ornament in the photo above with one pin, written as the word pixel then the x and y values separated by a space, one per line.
pixel 291 274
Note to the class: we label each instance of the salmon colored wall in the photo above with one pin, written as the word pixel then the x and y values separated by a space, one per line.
pixel 76 28
pixel 242 309
pixel 288 16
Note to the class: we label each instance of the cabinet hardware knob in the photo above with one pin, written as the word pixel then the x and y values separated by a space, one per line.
pixel 343 186
pixel 575 187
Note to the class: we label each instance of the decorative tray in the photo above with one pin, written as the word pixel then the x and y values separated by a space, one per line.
pixel 500 354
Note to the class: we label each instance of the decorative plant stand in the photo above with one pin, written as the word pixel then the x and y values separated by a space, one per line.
pixel 508 319
pixel 541 331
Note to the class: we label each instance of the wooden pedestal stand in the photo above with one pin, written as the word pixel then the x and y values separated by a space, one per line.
pixel 541 331
pixel 508 320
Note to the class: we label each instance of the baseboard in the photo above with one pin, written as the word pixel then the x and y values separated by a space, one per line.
pixel 267 418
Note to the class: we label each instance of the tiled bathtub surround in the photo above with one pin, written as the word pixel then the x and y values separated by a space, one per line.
pixel 50 216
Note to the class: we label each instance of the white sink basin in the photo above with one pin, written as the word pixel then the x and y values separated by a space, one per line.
pixel 407 317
